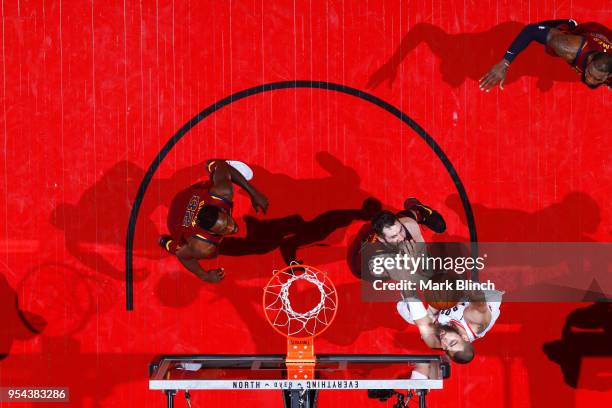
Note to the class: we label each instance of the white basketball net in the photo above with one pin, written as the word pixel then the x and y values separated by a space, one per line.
pixel 281 314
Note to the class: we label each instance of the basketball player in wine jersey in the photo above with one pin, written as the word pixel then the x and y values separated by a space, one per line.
pixel 201 215
pixel 585 47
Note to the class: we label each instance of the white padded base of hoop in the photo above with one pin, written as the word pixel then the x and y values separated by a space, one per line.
pixel 331 384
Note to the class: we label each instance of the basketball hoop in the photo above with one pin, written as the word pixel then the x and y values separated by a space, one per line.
pixel 300 326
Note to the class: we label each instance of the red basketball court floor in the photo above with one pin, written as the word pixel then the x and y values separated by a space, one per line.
pixel 91 91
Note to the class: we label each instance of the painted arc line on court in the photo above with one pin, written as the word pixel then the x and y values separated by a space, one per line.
pixel 329 86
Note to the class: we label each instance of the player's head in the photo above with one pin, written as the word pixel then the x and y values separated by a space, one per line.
pixel 598 70
pixel 455 344
pixel 216 220
pixel 388 228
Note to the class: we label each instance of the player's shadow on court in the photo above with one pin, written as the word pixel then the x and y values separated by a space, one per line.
pixel 470 55
pixel 572 219
pixel 91 377
pixel 304 212
pixel 17 324
pixel 575 218
pixel 587 333
pixel 543 272
pixel 292 232
pixel 95 226
pixel 353 252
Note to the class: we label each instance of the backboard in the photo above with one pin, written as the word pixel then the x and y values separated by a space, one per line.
pixel 269 372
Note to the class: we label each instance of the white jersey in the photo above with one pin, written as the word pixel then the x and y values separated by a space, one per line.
pixel 454 315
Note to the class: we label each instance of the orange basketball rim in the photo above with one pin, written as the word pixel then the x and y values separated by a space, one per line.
pixel 300 326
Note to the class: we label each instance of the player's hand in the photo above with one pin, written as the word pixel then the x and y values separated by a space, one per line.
pixel 213 275
pixel 259 202
pixel 496 75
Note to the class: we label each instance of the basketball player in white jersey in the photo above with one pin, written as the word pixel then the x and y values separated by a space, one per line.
pixel 453 330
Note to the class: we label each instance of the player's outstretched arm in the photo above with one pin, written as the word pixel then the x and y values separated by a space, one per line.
pixel 229 175
pixel 424 322
pixel 428 332
pixel 221 178
pixel 188 256
pixel 542 32
pixel 413 228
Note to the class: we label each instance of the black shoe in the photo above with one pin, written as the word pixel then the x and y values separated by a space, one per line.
pixel 426 215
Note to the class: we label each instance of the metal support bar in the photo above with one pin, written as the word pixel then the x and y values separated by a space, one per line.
pixel 422 394
pixel 300 398
pixel 170 398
